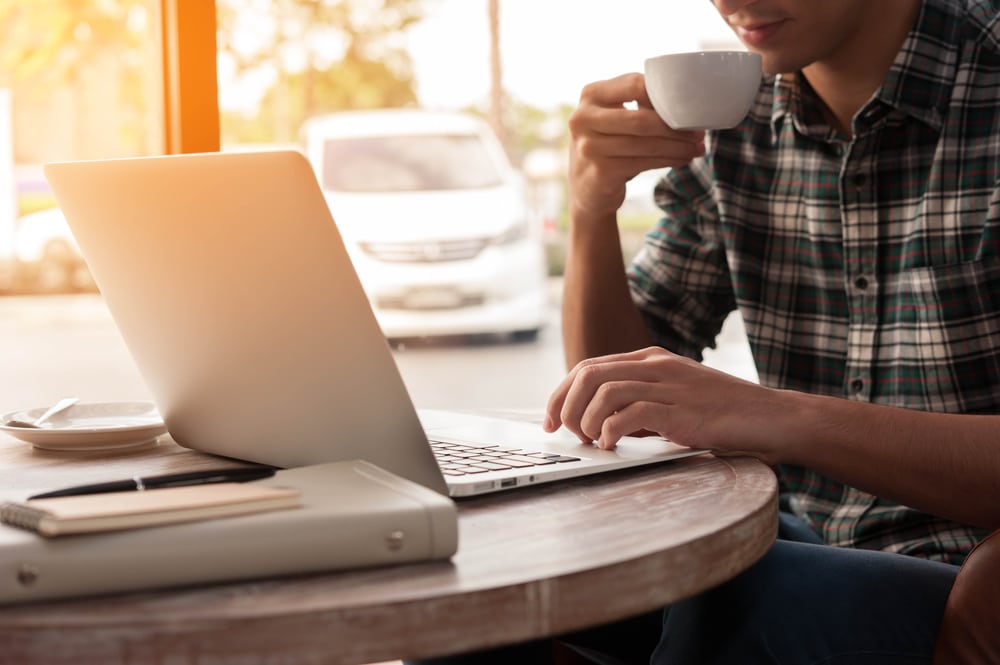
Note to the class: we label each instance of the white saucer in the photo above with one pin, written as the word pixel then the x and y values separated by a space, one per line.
pixel 95 426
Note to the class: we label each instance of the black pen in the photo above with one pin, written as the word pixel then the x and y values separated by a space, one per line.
pixel 137 483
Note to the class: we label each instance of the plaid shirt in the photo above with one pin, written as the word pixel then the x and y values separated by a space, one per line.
pixel 864 268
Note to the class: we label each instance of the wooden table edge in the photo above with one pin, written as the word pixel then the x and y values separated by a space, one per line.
pixel 418 626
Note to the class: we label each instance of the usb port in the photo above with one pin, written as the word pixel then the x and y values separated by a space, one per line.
pixel 509 482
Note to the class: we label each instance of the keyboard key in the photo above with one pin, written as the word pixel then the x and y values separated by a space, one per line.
pixel 459 459
pixel 490 466
pixel 468 469
pixel 532 461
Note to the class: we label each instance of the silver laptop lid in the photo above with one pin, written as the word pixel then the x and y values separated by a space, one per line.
pixel 234 293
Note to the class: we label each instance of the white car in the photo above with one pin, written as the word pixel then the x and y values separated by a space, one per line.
pixel 48 258
pixel 436 221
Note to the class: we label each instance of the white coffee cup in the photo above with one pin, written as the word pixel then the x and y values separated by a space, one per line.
pixel 704 89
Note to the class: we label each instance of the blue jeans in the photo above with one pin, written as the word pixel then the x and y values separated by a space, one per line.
pixel 803 603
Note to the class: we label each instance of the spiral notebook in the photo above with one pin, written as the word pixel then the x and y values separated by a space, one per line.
pixel 116 511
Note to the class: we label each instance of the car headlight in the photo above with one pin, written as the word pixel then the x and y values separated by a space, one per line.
pixel 515 233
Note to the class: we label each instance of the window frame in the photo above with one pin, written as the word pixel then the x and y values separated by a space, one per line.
pixel 190 79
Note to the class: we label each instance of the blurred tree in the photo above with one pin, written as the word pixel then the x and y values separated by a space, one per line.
pixel 529 127
pixel 57 45
pixel 48 41
pixel 320 55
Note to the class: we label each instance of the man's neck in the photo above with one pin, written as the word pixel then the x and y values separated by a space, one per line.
pixel 848 79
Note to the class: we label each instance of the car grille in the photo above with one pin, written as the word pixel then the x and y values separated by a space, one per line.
pixel 425 252
pixel 429 300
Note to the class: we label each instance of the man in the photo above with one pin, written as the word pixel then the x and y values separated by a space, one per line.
pixel 854 220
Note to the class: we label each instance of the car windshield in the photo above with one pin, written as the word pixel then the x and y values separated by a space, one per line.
pixel 408 163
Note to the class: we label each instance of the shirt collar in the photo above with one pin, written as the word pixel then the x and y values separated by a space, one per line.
pixel 919 82
pixel 794 98
pixel 922 77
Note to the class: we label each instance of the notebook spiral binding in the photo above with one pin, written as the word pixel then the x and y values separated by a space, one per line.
pixel 21 516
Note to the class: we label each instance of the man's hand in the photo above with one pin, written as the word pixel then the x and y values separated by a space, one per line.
pixel 611 144
pixel 603 399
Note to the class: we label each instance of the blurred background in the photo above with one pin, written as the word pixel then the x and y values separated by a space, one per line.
pixel 97 79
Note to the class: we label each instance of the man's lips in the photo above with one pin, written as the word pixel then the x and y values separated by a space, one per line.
pixel 759 33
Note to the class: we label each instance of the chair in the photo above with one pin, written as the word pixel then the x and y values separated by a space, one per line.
pixel 970 628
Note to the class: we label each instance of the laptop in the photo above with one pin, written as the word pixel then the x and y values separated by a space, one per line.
pixel 233 291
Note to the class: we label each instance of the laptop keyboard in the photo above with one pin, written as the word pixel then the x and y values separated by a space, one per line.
pixel 460 459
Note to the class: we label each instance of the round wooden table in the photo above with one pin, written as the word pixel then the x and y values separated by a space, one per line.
pixel 533 562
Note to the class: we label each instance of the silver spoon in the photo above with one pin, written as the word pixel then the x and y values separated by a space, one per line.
pixel 58 407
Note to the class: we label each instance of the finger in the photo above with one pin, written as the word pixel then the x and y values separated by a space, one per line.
pixel 629 419
pixel 656 149
pixel 614 397
pixel 641 122
pixel 554 406
pixel 604 386
pixel 553 409
pixel 614 91
pixel 557 411
pixel 578 395
pixel 675 158
pixel 642 99
pixel 644 102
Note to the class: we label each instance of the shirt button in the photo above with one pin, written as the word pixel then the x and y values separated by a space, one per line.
pixel 861 283
pixel 857 385
pixel 860 180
